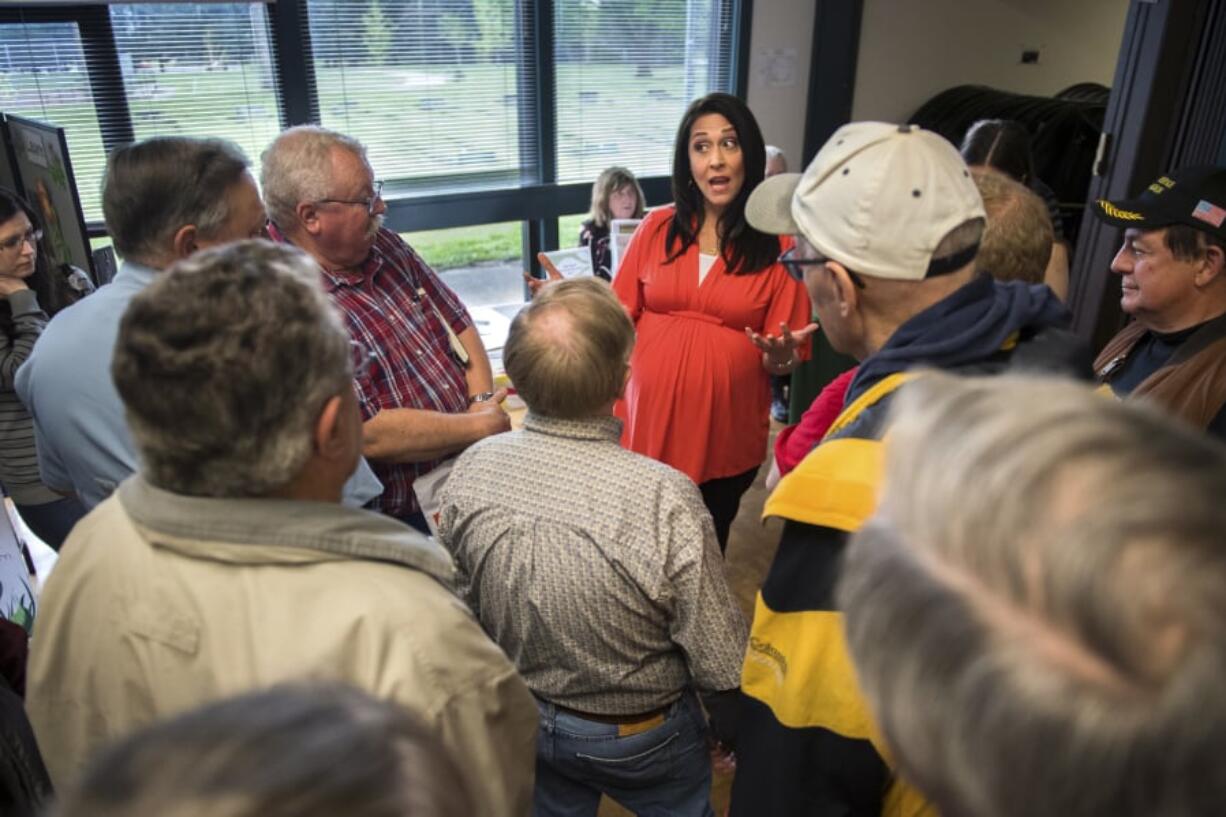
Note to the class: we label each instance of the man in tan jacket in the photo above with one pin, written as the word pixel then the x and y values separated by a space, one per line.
pixel 228 563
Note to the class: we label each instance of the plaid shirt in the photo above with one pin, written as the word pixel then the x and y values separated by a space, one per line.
pixel 393 308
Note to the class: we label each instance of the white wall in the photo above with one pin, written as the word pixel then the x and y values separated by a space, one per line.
pixel 781 42
pixel 912 49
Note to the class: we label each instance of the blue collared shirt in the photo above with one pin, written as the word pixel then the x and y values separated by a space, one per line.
pixel 82 437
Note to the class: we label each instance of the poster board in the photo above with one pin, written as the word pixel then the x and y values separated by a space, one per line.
pixel 17 600
pixel 621 230
pixel 574 262
pixel 40 152
pixel 8 170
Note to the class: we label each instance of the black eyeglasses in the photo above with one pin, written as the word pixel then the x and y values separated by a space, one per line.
pixel 369 203
pixel 796 267
pixel 31 237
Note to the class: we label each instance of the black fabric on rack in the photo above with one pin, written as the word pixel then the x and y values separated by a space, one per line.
pixel 1064 132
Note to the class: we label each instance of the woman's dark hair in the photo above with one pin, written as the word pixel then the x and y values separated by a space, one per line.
pixel 299 750
pixel 745 250
pixel 1002 144
pixel 52 293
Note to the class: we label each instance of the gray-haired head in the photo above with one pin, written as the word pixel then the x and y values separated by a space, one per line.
pixel 224 364
pixel 297 167
pixel 568 350
pixel 1037 611
pixel 310 750
pixel 153 188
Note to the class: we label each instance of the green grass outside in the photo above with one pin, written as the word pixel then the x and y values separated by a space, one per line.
pixel 463 246
pixel 568 230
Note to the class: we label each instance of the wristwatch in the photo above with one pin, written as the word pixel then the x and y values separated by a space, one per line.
pixel 480 398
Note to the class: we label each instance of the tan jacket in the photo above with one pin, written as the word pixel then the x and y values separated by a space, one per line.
pixel 160 603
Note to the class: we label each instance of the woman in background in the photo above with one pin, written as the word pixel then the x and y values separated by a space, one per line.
pixel 706 292
pixel 29 289
pixel 615 194
pixel 1004 145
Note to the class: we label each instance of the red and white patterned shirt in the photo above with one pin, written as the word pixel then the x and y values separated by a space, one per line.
pixel 395 307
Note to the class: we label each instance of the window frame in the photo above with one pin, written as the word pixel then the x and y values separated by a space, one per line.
pixel 536 205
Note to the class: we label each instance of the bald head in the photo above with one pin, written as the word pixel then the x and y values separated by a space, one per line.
pixel 568 350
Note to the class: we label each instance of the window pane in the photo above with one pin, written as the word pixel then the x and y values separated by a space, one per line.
pixel 483 264
pixel 626 71
pixel 43 77
pixel 568 229
pixel 199 69
pixel 432 87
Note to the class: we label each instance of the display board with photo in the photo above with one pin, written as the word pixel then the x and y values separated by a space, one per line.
pixel 573 262
pixel 8 171
pixel 621 230
pixel 44 171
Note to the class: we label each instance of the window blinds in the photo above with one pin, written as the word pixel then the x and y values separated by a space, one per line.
pixel 199 69
pixel 187 69
pixel 438 90
pixel 626 70
pixel 43 77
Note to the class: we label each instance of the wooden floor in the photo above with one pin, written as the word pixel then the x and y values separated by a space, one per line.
pixel 751 547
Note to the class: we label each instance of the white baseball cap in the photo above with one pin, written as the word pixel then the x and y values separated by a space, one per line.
pixel 878 198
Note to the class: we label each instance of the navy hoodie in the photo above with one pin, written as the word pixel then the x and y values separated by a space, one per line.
pixel 970 326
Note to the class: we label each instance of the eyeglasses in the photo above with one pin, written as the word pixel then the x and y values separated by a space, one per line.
pixel 369 203
pixel 360 359
pixel 31 237
pixel 796 267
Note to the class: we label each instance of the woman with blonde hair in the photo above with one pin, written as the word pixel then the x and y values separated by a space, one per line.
pixel 615 194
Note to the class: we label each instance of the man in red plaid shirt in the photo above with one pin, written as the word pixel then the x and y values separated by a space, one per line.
pixel 428 392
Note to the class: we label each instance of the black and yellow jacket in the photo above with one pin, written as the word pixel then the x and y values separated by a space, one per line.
pixel 807 744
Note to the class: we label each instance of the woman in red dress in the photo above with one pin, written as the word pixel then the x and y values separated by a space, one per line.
pixel 707 297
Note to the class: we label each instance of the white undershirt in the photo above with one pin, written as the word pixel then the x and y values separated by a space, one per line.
pixel 705 262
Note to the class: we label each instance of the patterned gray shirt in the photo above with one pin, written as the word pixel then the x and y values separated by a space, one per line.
pixel 595 568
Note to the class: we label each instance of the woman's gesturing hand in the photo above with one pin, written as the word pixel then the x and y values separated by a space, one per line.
pixel 779 351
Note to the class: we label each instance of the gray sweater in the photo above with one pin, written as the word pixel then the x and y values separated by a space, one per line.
pixel 18 458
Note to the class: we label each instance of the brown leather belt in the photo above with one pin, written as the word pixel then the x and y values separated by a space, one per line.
pixel 626 724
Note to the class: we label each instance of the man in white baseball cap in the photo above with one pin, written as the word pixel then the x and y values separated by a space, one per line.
pixel 887 222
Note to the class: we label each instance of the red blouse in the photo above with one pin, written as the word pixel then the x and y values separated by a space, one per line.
pixel 698 398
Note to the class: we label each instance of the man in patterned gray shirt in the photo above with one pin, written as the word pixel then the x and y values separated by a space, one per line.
pixel 597 571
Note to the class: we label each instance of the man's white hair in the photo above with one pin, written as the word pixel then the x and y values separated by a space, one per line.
pixel 1037 611
pixel 297 168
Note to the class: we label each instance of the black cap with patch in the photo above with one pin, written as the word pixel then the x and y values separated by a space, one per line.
pixel 1195 196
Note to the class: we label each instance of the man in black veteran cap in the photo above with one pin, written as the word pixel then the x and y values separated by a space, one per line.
pixel 1172 270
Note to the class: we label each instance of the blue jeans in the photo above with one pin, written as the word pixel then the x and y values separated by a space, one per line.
pixel 665 770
